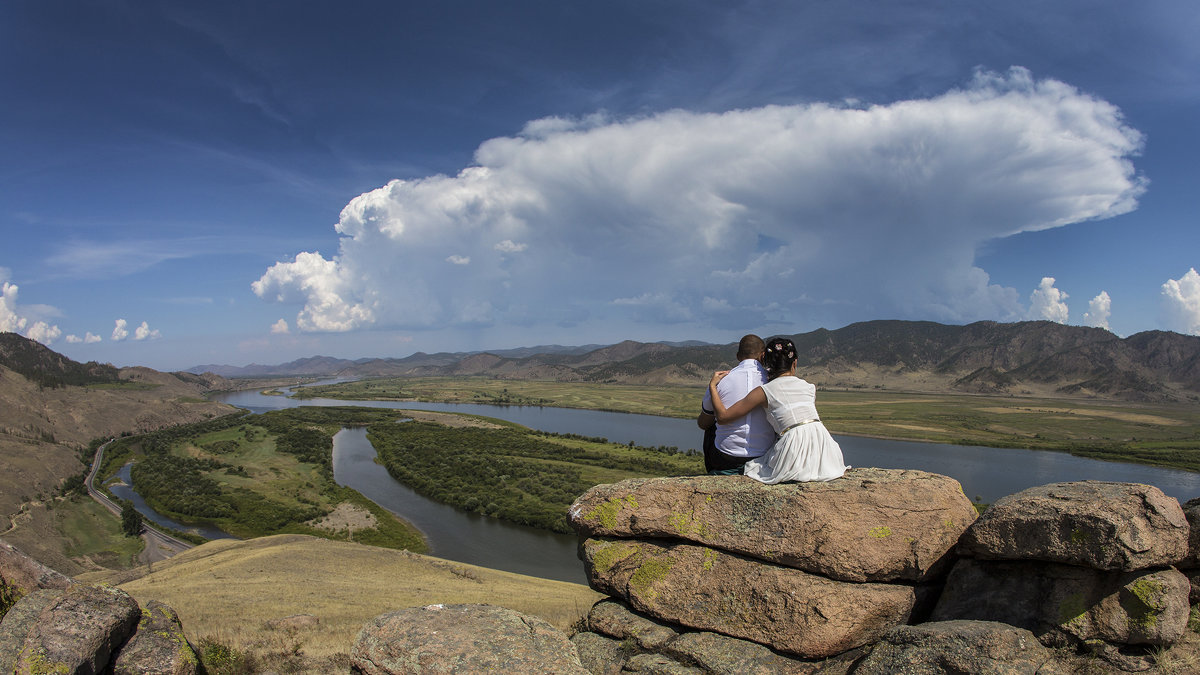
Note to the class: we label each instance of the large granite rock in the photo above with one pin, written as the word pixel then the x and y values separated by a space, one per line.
pixel 463 639
pixel 614 619
pixel 870 525
pixel 19 621
pixel 159 646
pixel 1191 511
pixel 1069 605
pixel 25 574
pixel 79 631
pixel 976 647
pixel 715 653
pixel 787 609
pixel 600 654
pixel 1106 526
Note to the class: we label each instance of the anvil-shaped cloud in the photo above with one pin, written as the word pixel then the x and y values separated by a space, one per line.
pixel 737 219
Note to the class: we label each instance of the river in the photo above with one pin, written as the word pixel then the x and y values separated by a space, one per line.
pixel 986 474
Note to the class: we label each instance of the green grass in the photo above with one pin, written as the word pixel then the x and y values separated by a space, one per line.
pixel 518 475
pixel 245 486
pixel 91 530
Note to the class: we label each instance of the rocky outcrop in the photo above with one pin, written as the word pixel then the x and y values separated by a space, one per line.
pixel 870 525
pixel 959 647
pixel 1093 524
pixel 462 639
pixel 807 569
pixel 1068 605
pixel 22 574
pixel 1190 565
pixel 58 626
pixel 702 588
pixel 159 646
pixel 78 632
pixel 1076 563
pixel 808 578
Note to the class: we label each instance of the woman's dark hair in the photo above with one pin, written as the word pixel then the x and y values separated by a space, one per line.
pixel 779 357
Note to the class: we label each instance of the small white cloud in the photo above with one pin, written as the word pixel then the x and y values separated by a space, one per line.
pixel 43 332
pixel 120 332
pixel 13 319
pixel 508 246
pixel 143 332
pixel 89 338
pixel 280 326
pixel 73 339
pixel 1049 303
pixel 1099 309
pixel 1181 299
pixel 459 260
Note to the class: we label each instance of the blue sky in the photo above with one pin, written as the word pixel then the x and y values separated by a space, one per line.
pixel 234 182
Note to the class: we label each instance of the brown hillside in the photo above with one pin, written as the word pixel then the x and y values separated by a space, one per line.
pixel 43 429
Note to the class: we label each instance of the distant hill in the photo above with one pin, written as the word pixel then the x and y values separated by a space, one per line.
pixel 48 368
pixel 51 408
pixel 1025 358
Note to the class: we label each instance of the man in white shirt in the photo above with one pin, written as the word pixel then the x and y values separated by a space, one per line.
pixel 728 446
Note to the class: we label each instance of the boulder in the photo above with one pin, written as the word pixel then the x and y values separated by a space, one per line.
pixel 1105 526
pixel 659 664
pixel 462 639
pixel 977 647
pixel 79 631
pixel 614 619
pixel 1068 605
pixel 19 621
pixel 786 609
pixel 25 574
pixel 869 525
pixel 600 654
pixel 716 653
pixel 159 646
pixel 1191 511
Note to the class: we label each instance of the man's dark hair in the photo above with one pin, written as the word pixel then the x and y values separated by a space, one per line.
pixel 750 347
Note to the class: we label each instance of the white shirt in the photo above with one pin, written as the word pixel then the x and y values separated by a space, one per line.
pixel 750 435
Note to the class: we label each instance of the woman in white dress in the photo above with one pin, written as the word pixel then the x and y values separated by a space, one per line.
pixel 804 450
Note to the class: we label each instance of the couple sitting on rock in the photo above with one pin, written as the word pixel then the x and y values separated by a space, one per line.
pixel 760 419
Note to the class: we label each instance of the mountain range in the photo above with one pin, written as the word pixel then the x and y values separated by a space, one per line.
pixel 1039 358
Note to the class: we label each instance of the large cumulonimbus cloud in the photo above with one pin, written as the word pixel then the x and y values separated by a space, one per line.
pixel 737 218
pixel 1181 301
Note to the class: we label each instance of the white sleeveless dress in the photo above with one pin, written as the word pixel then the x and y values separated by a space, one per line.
pixel 804 450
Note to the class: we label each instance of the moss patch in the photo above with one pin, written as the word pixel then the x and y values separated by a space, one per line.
pixel 686 525
pixel 646 575
pixel 607 554
pixel 1141 601
pixel 710 557
pixel 1072 608
pixel 881 532
pixel 606 513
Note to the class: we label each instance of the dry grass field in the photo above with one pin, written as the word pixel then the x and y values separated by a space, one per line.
pixel 234 593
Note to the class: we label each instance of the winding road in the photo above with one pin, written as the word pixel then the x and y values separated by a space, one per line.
pixel 159 545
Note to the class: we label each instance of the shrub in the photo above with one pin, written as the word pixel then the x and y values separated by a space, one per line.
pixel 221 659
pixel 9 596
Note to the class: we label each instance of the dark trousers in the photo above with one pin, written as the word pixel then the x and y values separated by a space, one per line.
pixel 717 462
